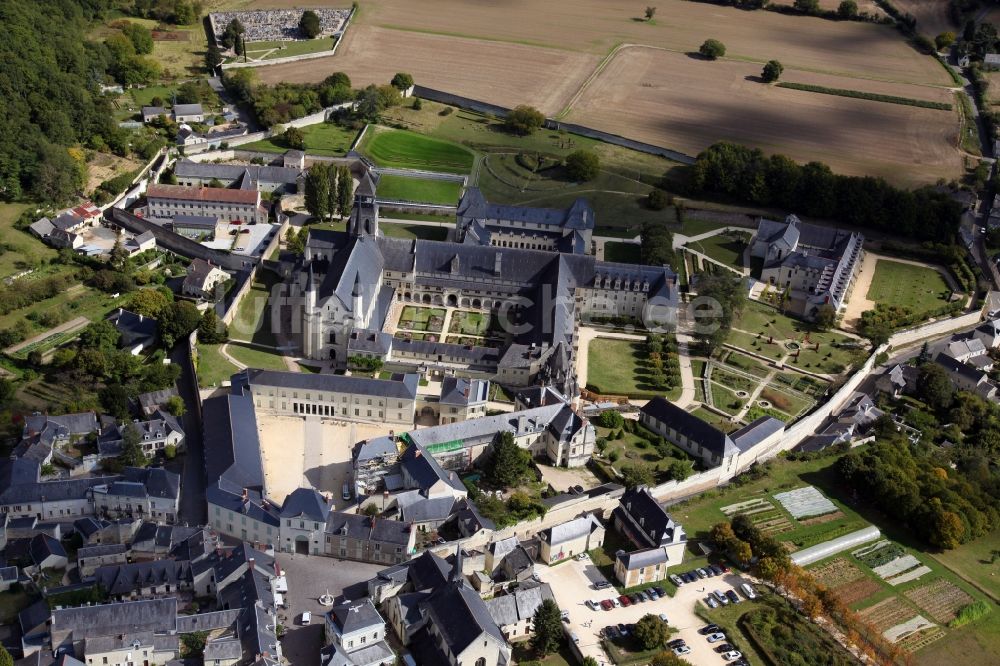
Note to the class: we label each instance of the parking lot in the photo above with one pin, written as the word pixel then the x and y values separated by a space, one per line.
pixel 572 585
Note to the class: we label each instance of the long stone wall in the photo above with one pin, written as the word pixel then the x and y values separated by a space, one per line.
pixel 934 329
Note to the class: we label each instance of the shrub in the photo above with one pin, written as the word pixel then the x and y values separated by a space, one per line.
pixel 772 71
pixel 944 40
pixel 657 200
pixel 611 419
pixel 970 613
pixel 523 120
pixel 583 165
pixel 712 49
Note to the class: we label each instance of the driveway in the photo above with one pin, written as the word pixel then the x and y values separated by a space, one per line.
pixel 572 582
pixel 309 576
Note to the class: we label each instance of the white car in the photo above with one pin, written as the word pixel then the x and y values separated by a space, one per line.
pixel 748 591
pixel 581 556
pixel 615 601
pixel 663 618
pixel 716 637
pixel 306 617
pixel 712 603
pixel 732 655
pixel 682 650
pixel 593 604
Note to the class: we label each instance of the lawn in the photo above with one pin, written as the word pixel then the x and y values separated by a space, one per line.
pixel 624 253
pixel 635 448
pixel 421 231
pixel 416 318
pixel 253 357
pixel 287 49
pixel 919 288
pixel 470 323
pixel 213 368
pixel 409 150
pixel 253 317
pixel 524 656
pixel 422 190
pixel 420 217
pixel 618 367
pixel 20 249
pixel 726 248
pixel 327 139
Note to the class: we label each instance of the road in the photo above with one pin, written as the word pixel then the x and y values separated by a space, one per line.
pixel 192 508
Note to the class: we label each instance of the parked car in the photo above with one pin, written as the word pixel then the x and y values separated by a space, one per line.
pixel 581 556
pixel 709 629
pixel 565 616
pixel 748 591
pixel 659 590
pixel 576 639
pixel 712 603
pixel 689 577
pixel 607 604
pixel 624 601
pixel 732 656
pixel 643 596
pixel 602 585
pixel 622 629
pixel 615 602
pixel 634 598
pixel 720 597
pixel 677 642
pixel 663 617
pixel 733 597
pixel 682 650
pixel 307 617
pixel 716 637
pixel 725 647
pixel 700 573
pixel 716 569
pixel 611 631
pixel 593 604
pixel 676 580
pixel 651 593
pixel 724 568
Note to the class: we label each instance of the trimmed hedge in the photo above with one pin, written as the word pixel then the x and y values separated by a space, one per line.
pixel 875 97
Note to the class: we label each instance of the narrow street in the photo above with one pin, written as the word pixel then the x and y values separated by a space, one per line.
pixel 192 508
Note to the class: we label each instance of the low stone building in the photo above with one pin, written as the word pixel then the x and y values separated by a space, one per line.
pixel 570 539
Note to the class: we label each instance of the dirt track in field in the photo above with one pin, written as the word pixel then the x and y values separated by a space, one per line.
pixel 674 100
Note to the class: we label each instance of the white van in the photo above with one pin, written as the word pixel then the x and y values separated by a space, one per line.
pixel 307 617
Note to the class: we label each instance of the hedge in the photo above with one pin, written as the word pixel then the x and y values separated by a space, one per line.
pixel 875 97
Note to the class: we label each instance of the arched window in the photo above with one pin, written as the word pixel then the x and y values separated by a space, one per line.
pixel 481 661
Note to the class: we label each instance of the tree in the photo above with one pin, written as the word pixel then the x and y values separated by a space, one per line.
pixel 583 165
pixel 523 120
pixel 402 81
pixel 213 58
pixel 345 184
pixel 317 194
pixel 667 658
pixel 149 303
pixel 590 661
pixel 712 49
pixel 934 386
pixel 678 470
pixel 807 6
pixel 847 9
pixel 721 534
pixel 211 330
pixel 100 335
pixel 5 658
pixel 132 453
pixel 772 71
pixel 178 321
pixel 332 179
pixel 140 36
pixel 294 138
pixel 370 510
pixel 944 40
pixel 650 13
pixel 611 418
pixel 657 199
pixel 175 405
pixel 309 24
pixel 231 36
pixel 825 317
pixel 651 632
pixel 637 475
pixel 548 628
pixel 740 551
pixel 508 464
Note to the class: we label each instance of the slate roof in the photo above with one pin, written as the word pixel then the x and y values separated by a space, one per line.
pixel 222 649
pixel 756 432
pixel 206 222
pixel 425 470
pixel 958 368
pixel 233 172
pixel 428 571
pixel 416 508
pixel 232 448
pixel 356 616
pixel 463 391
pixel 460 616
pixel 305 503
pixel 198 273
pixel 207 621
pixel 23 490
pixel 188 110
pixel 101 550
pixel 519 605
pixel 645 520
pixel 403 389
pixel 124 579
pixel 473 204
pixel 44 546
pixel 365 528
pixel 643 558
pixel 135 329
pixel 689 425
pixel 158 615
pixel 572 529
pixel 374 449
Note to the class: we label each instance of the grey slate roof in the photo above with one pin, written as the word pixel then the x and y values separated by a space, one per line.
pixel 690 426
pixel 645 520
pixel 643 558
pixel 158 615
pixel 101 550
pixel 135 329
pixel 415 508
pixel 474 205
pixel 570 530
pixel 222 649
pixel 124 579
pixel 403 389
pixel 463 391
pixel 206 222
pixel 233 172
pixel 756 432
pixel 187 109
pixel 519 605
pixel 207 621
pixel 305 503
pixel 356 616
pixel 425 470
pixel 461 616
pixel 44 546
pixel 232 448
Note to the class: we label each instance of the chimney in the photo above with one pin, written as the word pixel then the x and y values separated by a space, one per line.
pixel 496 265
pixel 418 453
pixel 250 564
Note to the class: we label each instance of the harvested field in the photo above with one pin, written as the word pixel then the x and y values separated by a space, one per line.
pixel 704 102
pixel 864 6
pixel 940 598
pixel 545 78
pixel 887 613
pixel 851 593
pixel 823 519
pixel 932 15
